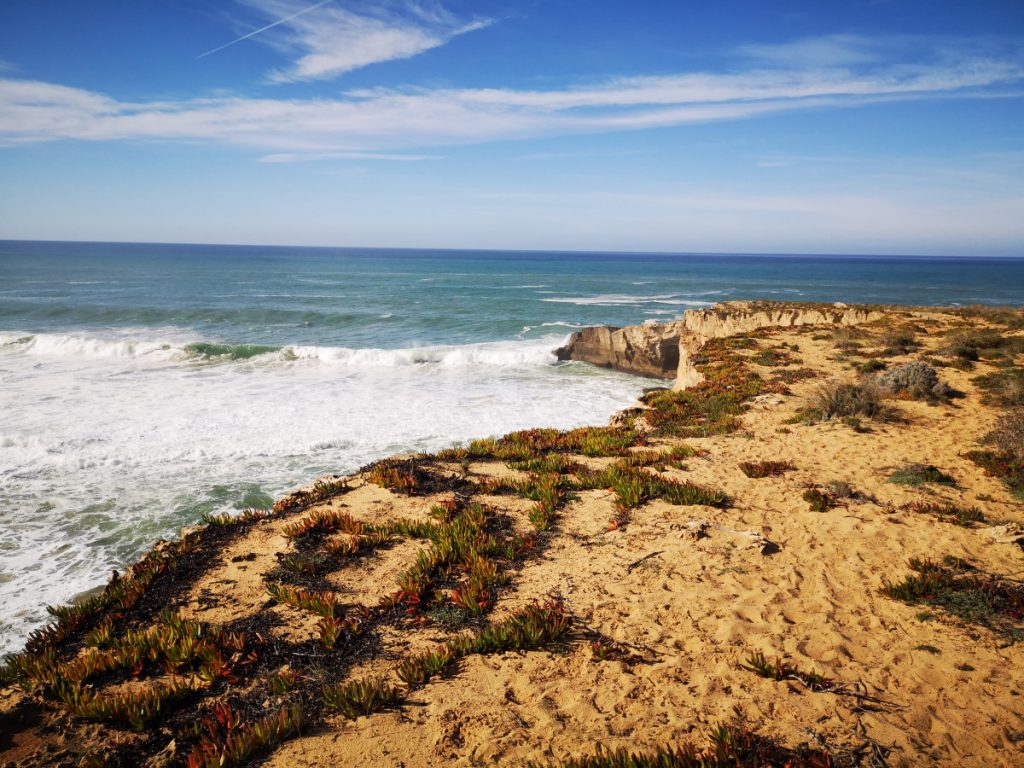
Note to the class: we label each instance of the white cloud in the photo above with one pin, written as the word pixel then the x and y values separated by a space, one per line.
pixel 328 40
pixel 378 123
pixel 823 51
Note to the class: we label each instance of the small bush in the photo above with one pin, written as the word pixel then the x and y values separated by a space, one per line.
pixel 916 380
pixel 899 340
pixel 1008 435
pixel 871 366
pixel 847 339
pixel 771 358
pixel 1004 388
pixel 970 345
pixel 837 400
pixel 920 474
pixel 1003 466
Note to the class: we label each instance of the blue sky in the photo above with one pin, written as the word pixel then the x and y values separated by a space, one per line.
pixel 828 127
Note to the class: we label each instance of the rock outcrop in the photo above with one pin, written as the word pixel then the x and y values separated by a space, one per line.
pixel 644 350
pixel 665 350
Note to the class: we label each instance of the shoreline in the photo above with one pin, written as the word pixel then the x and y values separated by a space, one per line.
pixel 666 579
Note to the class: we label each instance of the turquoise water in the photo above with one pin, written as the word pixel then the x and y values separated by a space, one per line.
pixel 142 385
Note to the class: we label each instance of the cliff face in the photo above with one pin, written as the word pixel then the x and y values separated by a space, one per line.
pixel 732 317
pixel 664 350
pixel 643 350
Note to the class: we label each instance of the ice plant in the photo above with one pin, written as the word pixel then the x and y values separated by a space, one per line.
pixel 362 697
pixel 322 603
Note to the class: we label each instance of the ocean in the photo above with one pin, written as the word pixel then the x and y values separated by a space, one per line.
pixel 143 385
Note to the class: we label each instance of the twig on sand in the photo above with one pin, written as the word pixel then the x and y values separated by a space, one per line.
pixel 636 563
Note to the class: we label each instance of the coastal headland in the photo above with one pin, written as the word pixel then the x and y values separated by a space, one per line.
pixel 806 549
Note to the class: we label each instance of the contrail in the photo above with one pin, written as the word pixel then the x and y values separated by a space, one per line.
pixel 264 29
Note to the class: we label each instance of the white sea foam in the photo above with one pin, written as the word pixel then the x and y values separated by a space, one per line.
pixel 85 347
pixel 518 353
pixel 109 442
pixel 556 324
pixel 616 299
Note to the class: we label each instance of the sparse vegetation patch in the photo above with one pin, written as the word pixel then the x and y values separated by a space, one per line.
pixel 729 747
pixel 964 592
pixel 920 474
pixel 950 513
pixel 760 469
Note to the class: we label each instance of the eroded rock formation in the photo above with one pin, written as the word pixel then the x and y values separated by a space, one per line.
pixel 665 350
pixel 645 350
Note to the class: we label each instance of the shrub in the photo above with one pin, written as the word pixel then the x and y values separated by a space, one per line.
pixel 899 340
pixel 871 366
pixel 1005 467
pixel 242 744
pixel 134 708
pixel 916 380
pixel 837 399
pixel 841 489
pixel 1004 388
pixel 710 408
pixel 978 343
pixel 1008 435
pixel 847 339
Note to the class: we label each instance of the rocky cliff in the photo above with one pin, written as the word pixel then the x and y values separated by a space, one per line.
pixel 732 317
pixel 644 350
pixel 664 350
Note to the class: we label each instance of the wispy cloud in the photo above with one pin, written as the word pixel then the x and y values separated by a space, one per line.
pixel 307 157
pixel 379 123
pixel 821 51
pixel 326 40
pixel 265 28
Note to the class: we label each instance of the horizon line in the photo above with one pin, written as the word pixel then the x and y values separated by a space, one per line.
pixel 808 254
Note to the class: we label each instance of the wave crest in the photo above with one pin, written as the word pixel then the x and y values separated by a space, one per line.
pixel 71 346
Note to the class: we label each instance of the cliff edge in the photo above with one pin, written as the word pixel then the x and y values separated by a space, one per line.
pixel 665 350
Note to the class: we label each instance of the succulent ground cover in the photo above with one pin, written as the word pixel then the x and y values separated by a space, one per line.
pixel 962 590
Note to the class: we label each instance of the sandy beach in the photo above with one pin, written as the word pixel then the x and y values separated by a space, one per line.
pixel 726 555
